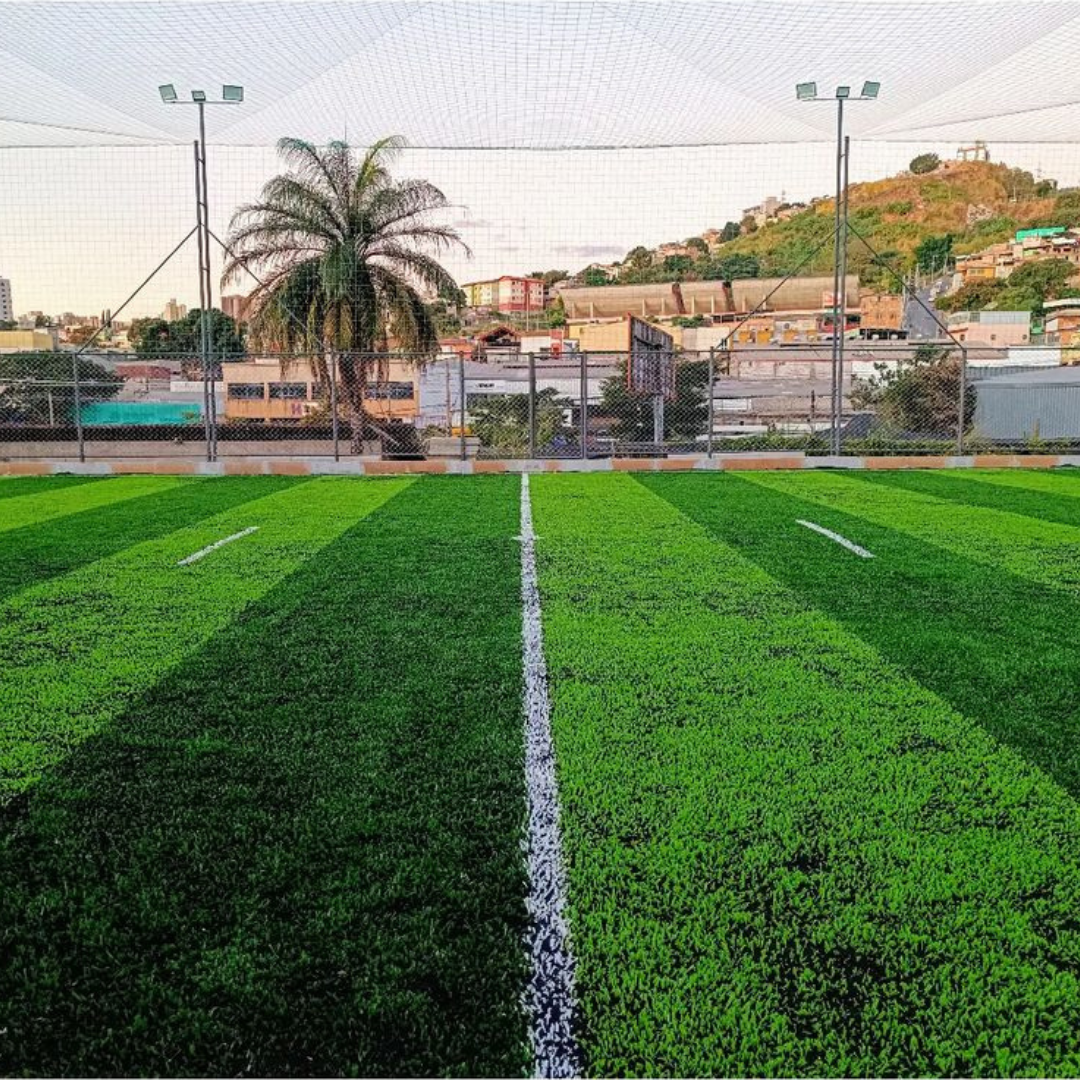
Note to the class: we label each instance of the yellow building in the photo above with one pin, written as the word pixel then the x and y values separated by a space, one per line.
pixel 272 390
pixel 46 340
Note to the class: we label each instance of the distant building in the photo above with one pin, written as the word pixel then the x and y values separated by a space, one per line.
pixel 998 328
pixel 174 312
pixel 43 340
pixel 764 211
pixel 506 293
pixel 6 310
pixel 1062 324
pixel 234 306
pixel 260 390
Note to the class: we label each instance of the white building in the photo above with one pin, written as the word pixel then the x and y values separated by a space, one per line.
pixel 6 310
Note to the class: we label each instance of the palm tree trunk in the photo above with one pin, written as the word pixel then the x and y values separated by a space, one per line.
pixel 354 380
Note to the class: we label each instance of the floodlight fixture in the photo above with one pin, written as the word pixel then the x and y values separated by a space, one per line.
pixel 806 91
pixel 232 93
pixel 168 93
pixel 843 92
pixel 870 90
pixel 198 96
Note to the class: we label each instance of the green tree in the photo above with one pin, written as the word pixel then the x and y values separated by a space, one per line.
pixel 1067 208
pixel 678 264
pixel 733 267
pixel 594 276
pixel 38 387
pixel 638 258
pixel 729 232
pixel 344 250
pixel 924 163
pixel 919 396
pixel 934 253
pixel 698 245
pixel 501 421
pixel 158 338
pixel 556 314
pixel 685 417
pixel 974 296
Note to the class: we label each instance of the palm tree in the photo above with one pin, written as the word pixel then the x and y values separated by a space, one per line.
pixel 341 250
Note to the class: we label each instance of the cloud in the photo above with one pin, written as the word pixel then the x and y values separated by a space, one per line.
pixel 589 251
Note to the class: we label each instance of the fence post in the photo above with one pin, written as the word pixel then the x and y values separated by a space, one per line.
pixel 461 393
pixel 78 407
pixel 962 404
pixel 332 371
pixel 712 381
pixel 532 405
pixel 584 403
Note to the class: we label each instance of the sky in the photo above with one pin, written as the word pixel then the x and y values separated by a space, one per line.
pixel 562 131
pixel 80 228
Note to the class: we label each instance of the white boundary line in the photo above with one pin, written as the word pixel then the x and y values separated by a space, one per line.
pixel 842 541
pixel 550 993
pixel 214 546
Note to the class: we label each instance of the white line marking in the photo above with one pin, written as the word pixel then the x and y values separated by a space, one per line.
pixel 214 546
pixel 550 993
pixel 842 541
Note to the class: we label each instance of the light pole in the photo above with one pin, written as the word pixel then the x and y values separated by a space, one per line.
pixel 230 95
pixel 808 92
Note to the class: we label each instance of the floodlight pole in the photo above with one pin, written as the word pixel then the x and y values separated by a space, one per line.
pixel 206 334
pixel 842 298
pixel 838 284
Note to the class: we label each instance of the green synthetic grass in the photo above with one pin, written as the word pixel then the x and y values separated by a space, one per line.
pixel 998 647
pixel 1042 551
pixel 262 814
pixel 785 855
pixel 35 553
pixel 45 504
pixel 26 485
pixel 74 651
pixel 965 491
pixel 297 853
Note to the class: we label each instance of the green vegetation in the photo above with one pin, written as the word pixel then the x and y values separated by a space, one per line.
pixel 298 853
pixel 924 163
pixel 1027 288
pixel 501 421
pixel 160 338
pixel 685 416
pixel 786 857
pixel 344 253
pixel 919 395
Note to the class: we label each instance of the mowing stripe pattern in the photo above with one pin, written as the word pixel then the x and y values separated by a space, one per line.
pixel 203 552
pixel 841 540
pixel 551 985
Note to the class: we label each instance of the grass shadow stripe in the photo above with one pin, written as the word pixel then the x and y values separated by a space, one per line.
pixel 32 485
pixel 45 505
pixel 786 856
pixel 1042 551
pixel 75 650
pixel 35 553
pixel 963 489
pixel 298 853
pixel 994 645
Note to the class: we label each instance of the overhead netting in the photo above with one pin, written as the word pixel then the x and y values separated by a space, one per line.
pixel 529 75
pixel 562 134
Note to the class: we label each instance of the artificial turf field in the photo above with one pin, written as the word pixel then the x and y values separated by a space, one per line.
pixel 264 812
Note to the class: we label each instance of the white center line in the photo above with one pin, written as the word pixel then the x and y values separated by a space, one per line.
pixel 214 546
pixel 842 541
pixel 550 993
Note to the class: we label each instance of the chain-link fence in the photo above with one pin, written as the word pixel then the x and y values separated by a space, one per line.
pixel 893 398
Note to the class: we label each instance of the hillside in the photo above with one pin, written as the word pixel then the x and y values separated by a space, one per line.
pixel 976 203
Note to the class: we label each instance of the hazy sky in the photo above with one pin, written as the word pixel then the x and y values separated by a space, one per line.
pixel 80 228
pixel 96 181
